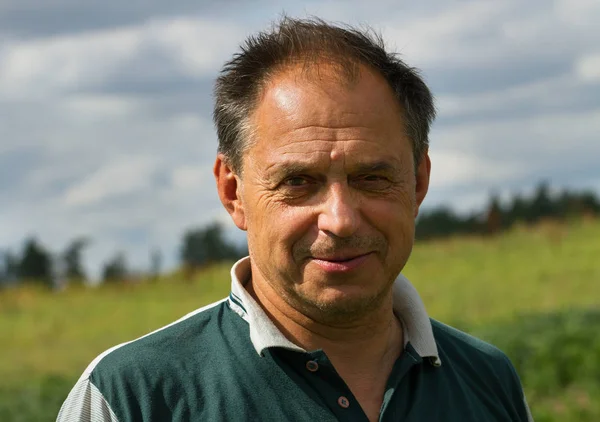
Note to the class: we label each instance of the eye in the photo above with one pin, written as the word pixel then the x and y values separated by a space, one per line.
pixel 296 181
pixel 372 178
pixel 372 182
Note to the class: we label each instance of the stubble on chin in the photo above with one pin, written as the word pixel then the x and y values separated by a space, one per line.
pixel 337 312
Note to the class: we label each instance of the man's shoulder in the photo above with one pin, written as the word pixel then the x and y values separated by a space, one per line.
pixel 162 347
pixel 452 340
pixel 149 375
pixel 485 368
pixel 476 359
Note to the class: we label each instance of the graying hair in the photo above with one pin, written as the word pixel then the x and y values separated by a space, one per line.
pixel 309 41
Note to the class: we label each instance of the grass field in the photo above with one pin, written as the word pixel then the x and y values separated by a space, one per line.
pixel 47 339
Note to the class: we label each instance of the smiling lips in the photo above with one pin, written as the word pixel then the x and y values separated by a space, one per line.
pixel 341 263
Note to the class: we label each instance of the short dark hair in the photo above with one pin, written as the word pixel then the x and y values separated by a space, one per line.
pixel 242 79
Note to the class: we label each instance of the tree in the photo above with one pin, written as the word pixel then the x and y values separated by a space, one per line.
pixel 115 269
pixel 72 259
pixel 542 204
pixel 442 222
pixel 591 204
pixel 9 269
pixel 36 263
pixel 155 263
pixel 518 210
pixel 494 220
pixel 206 245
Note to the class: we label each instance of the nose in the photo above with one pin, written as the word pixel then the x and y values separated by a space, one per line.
pixel 339 214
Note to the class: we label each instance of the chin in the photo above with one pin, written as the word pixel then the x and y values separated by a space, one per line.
pixel 345 302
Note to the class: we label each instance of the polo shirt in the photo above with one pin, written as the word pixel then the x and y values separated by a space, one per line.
pixel 228 362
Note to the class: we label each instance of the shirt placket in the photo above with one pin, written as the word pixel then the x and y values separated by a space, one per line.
pixel 319 375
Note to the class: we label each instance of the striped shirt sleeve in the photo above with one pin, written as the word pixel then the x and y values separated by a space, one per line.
pixel 529 417
pixel 85 403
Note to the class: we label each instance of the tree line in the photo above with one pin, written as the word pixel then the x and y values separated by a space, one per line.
pixel 497 217
pixel 202 246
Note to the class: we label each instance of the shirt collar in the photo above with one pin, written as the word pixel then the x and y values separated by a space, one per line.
pixel 264 334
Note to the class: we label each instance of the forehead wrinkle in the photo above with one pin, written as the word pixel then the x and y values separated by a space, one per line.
pixel 377 166
pixel 335 153
pixel 348 164
pixel 325 146
pixel 290 166
pixel 332 127
pixel 301 141
pixel 327 152
pixel 331 133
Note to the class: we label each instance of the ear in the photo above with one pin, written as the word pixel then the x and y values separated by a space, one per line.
pixel 228 187
pixel 422 176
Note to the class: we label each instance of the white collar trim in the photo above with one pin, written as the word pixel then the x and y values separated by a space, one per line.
pixel 264 334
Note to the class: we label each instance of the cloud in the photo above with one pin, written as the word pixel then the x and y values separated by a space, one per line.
pixel 451 168
pixel 105 109
pixel 189 177
pixel 544 96
pixel 123 177
pixel 40 67
pixel 473 159
pixel 28 19
pixel 96 105
pixel 154 50
pixel 588 68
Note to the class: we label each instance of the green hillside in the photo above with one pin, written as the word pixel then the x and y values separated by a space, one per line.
pixel 533 292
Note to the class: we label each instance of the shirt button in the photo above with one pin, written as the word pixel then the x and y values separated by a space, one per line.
pixel 343 402
pixel 312 366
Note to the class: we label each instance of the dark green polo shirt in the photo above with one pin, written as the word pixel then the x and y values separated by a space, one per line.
pixel 228 362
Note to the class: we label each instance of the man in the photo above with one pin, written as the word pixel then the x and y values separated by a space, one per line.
pixel 323 160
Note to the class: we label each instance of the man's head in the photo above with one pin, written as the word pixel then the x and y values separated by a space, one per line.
pixel 323 160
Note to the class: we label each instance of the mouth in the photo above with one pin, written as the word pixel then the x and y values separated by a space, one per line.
pixel 341 263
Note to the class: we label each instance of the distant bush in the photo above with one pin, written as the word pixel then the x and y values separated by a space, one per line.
pixel 40 400
pixel 557 356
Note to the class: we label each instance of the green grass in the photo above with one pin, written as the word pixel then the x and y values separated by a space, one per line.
pixel 480 280
pixel 557 356
pixel 49 338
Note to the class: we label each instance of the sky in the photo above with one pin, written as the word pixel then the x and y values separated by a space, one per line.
pixel 105 108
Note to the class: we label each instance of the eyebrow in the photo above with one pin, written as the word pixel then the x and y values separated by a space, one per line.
pixel 290 168
pixel 375 167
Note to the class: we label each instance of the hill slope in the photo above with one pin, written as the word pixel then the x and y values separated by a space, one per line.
pixel 48 338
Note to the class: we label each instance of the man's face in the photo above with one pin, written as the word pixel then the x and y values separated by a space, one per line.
pixel 328 194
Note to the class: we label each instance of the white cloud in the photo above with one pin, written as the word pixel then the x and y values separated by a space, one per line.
pixel 492 33
pixel 578 12
pixel 588 68
pixel 565 135
pixel 42 67
pixel 537 93
pixel 190 177
pixel 443 35
pixel 125 176
pixel 100 105
pixel 186 39
pixel 543 95
pixel 453 167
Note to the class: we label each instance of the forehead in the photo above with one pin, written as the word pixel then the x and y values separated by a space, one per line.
pixel 324 94
pixel 305 115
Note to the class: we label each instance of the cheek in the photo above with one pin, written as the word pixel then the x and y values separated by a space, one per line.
pixel 276 226
pixel 295 225
pixel 260 209
pixel 394 220
pixel 390 211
